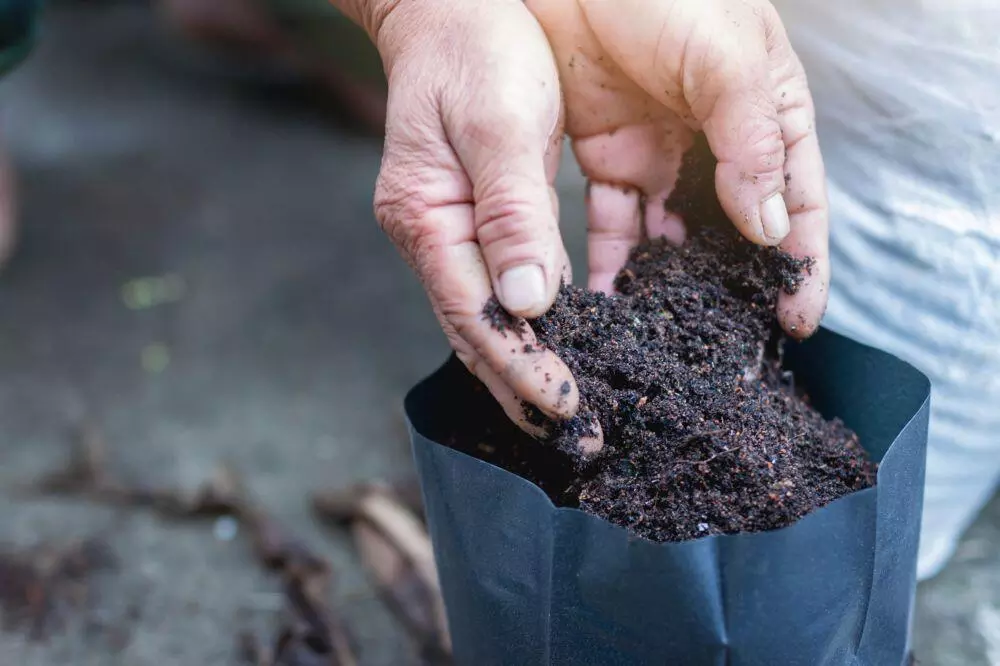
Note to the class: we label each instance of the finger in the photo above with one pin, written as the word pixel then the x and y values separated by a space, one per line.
pixel 675 140
pixel 512 405
pixel 439 243
pixel 460 287
pixel 744 134
pixel 663 223
pixel 553 158
pixel 515 410
pixel 564 264
pixel 717 79
pixel 633 165
pixel 736 108
pixel 614 227
pixel 505 132
pixel 593 443
pixel 800 313
pixel 514 220
pixel 805 191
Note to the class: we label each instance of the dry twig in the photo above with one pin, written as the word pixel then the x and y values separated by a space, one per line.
pixel 314 633
pixel 38 587
pixel 396 550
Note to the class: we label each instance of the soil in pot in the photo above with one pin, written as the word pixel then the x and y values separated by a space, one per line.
pixel 704 430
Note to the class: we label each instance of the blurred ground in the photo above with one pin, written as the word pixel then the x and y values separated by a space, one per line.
pixel 296 334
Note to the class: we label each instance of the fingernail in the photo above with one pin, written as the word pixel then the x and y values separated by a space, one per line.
pixel 774 218
pixel 522 288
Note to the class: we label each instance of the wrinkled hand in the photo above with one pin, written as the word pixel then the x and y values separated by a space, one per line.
pixel 641 76
pixel 473 137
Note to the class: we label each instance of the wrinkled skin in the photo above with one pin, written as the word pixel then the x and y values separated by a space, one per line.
pixel 474 128
pixel 473 139
pixel 640 77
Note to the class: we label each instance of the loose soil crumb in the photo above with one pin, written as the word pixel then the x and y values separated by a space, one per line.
pixel 704 432
pixel 41 588
pixel 503 321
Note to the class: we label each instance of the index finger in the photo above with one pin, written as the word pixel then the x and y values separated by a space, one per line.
pixel 457 281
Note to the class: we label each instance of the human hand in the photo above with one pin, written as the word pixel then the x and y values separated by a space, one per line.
pixel 473 139
pixel 641 76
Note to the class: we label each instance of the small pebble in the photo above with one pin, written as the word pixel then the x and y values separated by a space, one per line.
pixel 225 528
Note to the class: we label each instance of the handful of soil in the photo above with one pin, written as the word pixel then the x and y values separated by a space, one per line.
pixel 704 432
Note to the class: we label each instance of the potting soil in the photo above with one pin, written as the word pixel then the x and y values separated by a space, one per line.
pixel 704 431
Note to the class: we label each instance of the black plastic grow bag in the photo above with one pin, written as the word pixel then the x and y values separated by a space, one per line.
pixel 528 583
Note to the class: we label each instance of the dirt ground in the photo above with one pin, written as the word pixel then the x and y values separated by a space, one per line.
pixel 292 332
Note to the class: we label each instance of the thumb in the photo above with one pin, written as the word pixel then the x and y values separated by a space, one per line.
pixel 732 98
pixel 515 219
pixel 510 153
pixel 713 71
pixel 744 134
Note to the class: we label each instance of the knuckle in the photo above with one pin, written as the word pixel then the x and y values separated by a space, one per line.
pixel 506 121
pixel 509 222
pixel 764 145
pixel 492 132
pixel 403 215
pixel 464 352
pixel 799 103
pixel 380 13
pixel 464 328
pixel 798 116
pixel 792 90
pixel 503 220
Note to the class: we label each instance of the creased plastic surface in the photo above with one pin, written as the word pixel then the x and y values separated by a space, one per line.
pixel 908 115
pixel 528 583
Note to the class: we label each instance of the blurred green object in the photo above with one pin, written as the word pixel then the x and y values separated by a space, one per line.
pixel 319 27
pixel 18 27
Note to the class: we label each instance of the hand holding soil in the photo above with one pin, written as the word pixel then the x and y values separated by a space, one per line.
pixel 473 134
pixel 705 432
pixel 473 137
pixel 640 78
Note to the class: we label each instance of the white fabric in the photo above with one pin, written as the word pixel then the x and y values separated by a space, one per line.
pixel 908 104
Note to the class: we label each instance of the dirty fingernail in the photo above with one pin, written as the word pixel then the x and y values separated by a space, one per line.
pixel 774 218
pixel 522 289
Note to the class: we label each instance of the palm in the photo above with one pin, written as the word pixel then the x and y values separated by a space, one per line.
pixel 632 164
pixel 628 144
pixel 641 76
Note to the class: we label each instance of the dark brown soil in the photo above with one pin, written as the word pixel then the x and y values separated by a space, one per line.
pixel 704 433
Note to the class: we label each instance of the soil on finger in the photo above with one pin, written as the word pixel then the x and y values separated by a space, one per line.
pixel 704 430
